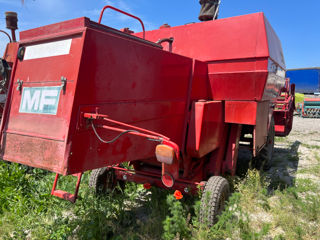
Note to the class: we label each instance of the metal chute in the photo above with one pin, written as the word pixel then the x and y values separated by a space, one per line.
pixel 209 10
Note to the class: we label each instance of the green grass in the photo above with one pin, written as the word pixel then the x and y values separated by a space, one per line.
pixel 299 98
pixel 28 211
pixel 317 147
pixel 281 139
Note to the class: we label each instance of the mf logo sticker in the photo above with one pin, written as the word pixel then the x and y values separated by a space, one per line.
pixel 43 100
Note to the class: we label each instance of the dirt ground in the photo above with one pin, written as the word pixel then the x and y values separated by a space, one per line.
pixel 297 151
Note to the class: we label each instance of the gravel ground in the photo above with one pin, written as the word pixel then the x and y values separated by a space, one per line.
pixel 296 152
pixel 305 125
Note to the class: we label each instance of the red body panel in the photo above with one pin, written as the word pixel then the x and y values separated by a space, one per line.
pixel 239 51
pixel 205 129
pixel 131 81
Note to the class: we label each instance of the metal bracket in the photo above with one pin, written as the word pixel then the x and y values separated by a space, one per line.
pixel 65 195
pixel 19 87
pixel 63 84
pixel 168 40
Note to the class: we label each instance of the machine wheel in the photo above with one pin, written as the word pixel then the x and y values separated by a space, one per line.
pixel 264 157
pixel 103 180
pixel 215 194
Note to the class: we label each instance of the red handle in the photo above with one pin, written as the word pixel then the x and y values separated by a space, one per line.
pixel 125 13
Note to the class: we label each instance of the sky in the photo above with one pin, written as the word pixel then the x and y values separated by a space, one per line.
pixel 296 24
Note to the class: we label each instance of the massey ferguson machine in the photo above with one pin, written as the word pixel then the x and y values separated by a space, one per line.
pixel 175 104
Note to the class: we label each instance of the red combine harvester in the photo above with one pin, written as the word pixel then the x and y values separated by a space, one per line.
pixel 175 103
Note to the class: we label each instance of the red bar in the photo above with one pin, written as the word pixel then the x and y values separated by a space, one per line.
pixel 125 13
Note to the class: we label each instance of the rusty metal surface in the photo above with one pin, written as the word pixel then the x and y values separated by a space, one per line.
pixel 33 151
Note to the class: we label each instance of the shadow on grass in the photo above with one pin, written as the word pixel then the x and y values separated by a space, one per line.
pixel 285 161
pixel 119 217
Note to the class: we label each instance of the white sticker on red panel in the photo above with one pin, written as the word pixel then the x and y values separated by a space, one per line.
pixel 50 49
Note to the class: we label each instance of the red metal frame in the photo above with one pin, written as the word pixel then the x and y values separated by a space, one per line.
pixel 139 131
pixel 124 174
pixel 153 135
pixel 230 162
pixel 125 13
pixel 284 109
pixel 63 194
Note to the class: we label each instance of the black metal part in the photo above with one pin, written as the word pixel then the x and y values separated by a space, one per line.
pixel 21 52
pixel 169 40
pixel 19 87
pixel 5 74
pixel 209 10
pixel 64 84
pixel 113 140
pixel 12 23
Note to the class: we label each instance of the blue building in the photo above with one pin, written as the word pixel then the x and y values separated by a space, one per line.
pixel 307 80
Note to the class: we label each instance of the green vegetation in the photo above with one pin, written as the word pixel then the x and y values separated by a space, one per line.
pixel 254 211
pixel 299 98
pixel 280 139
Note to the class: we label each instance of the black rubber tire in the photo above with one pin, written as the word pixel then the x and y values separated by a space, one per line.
pixel 103 180
pixel 264 157
pixel 216 193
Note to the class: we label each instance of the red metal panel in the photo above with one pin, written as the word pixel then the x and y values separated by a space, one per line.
pixel 205 128
pixel 237 50
pixel 250 113
pixel 200 83
pixel 37 125
pixel 10 53
pixel 241 112
pixel 215 164
pixel 130 80
pixel 42 72
pixel 133 83
pixel 32 151
pixel 238 86
pixel 246 112
pixel 230 163
pixel 229 38
pixel 238 65
pixel 54 29
pixel 260 133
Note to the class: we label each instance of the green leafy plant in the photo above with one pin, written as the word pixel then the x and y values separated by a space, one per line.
pixel 176 223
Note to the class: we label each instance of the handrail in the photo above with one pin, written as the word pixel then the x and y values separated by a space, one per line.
pixel 7 35
pixel 125 13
